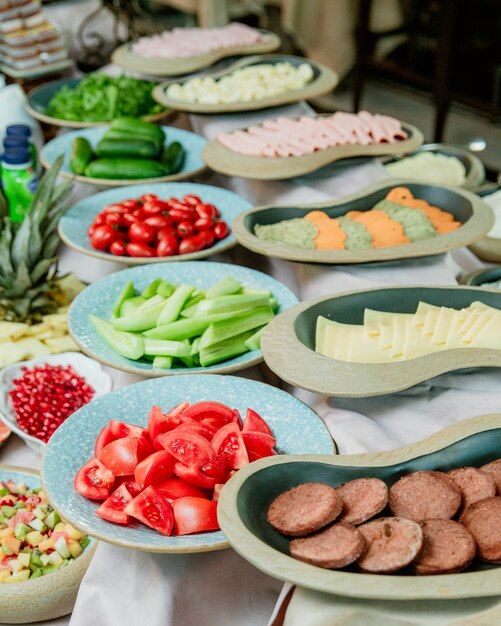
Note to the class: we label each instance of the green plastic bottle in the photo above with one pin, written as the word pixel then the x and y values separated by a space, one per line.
pixel 19 182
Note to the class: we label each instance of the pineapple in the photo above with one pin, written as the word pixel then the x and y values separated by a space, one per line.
pixel 28 255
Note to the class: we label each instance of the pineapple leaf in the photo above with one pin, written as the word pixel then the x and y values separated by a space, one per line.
pixel 42 200
pixel 21 243
pixel 41 269
pixel 35 244
pixel 51 245
pixel 62 191
pixel 5 243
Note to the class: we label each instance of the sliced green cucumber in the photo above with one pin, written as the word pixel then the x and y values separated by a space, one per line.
pixel 163 362
pixel 127 292
pixel 160 347
pixel 225 349
pixel 235 303
pixel 174 304
pixel 126 344
pixel 185 329
pixel 141 319
pixel 151 289
pixel 130 305
pixel 224 287
pixel 220 331
pixel 254 341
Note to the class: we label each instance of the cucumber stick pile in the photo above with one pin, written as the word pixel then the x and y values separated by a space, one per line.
pixel 181 325
pixel 130 149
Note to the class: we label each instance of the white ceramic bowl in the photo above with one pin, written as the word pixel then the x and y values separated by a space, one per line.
pixel 91 370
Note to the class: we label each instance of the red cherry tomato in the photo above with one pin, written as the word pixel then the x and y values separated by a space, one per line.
pixel 141 232
pixel 185 229
pixel 99 219
pixel 182 215
pixel 192 244
pixel 207 210
pixel 128 219
pixel 91 229
pixel 191 200
pixel 118 248
pixel 221 230
pixel 148 196
pixel 153 509
pixel 140 214
pixel 113 219
pixel 208 237
pixel 167 246
pixel 102 237
pixel 204 223
pixel 155 206
pixel 139 249
pixel 158 221
pixel 131 204
pixel 165 232
pixel 94 480
pixel 174 203
pixel 115 208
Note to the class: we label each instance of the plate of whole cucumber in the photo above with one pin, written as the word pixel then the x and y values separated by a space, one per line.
pixel 125 152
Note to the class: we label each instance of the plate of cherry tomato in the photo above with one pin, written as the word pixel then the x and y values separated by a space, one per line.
pixel 153 223
pixel 84 456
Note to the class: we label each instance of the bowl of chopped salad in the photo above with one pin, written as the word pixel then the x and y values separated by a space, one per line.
pixel 94 100
pixel 42 558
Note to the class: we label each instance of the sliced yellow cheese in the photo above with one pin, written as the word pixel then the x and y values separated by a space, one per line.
pixel 416 343
pixel 479 324
pixel 399 331
pixel 489 336
pixel 442 325
pixel 372 319
pixel 454 336
pixel 385 332
pixel 430 321
pixel 421 313
pixel 364 348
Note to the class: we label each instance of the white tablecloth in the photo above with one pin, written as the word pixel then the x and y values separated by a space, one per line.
pixel 123 587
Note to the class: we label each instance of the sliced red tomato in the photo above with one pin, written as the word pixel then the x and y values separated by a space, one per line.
pixel 153 509
pixel 122 429
pixel 213 414
pixel 94 480
pixel 129 481
pixel 113 508
pixel 217 468
pixel 194 476
pixel 123 455
pixel 191 426
pixel 194 515
pixel 159 422
pixel 255 423
pixel 103 439
pixel 237 418
pixel 258 445
pixel 228 442
pixel 155 468
pixel 189 448
pixel 174 488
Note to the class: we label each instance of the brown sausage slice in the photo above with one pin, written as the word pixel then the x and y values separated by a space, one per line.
pixel 483 520
pixel 333 547
pixel 473 484
pixel 304 509
pixel 362 499
pixel 447 547
pixel 494 470
pixel 391 543
pixel 425 495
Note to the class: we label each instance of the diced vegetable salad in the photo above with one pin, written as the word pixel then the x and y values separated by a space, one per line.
pixel 34 540
pixel 169 475
pixel 181 325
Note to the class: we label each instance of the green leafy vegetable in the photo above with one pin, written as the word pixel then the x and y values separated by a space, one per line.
pixel 101 98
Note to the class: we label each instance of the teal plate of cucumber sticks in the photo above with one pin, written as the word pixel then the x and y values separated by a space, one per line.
pixel 74 224
pixel 177 318
pixel 131 157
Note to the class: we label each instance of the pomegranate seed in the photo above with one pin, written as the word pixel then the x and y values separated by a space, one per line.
pixel 43 397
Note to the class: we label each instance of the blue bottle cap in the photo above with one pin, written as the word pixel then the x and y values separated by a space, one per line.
pixel 16 141
pixel 16 156
pixel 18 129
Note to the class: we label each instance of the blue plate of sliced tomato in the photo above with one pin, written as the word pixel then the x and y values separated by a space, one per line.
pixel 142 467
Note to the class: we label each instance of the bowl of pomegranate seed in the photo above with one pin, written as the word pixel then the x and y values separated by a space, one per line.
pixel 37 396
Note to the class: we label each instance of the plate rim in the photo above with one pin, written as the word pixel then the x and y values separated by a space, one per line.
pixel 397 376
pixel 218 369
pixel 115 182
pixel 220 545
pixel 225 161
pixel 481 221
pixel 373 586
pixel 124 57
pixel 326 81
pixel 223 245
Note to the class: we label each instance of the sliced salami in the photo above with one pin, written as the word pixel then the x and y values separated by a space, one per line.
pixel 473 484
pixel 337 546
pixel 448 547
pixel 483 520
pixel 494 470
pixel 304 509
pixel 362 499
